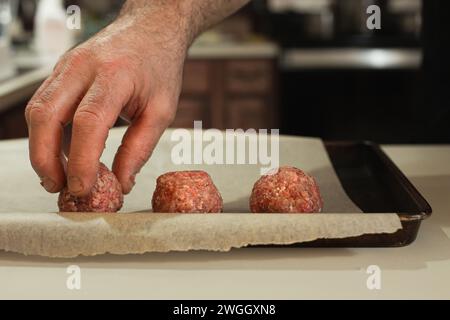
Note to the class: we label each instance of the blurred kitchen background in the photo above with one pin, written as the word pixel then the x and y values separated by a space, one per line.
pixel 308 67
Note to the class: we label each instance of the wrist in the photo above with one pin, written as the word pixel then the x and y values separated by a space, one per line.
pixel 170 20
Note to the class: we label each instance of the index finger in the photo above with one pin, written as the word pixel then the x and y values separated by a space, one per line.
pixel 97 113
pixel 46 114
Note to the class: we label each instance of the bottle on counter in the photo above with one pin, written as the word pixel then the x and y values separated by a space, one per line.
pixel 52 36
pixel 8 10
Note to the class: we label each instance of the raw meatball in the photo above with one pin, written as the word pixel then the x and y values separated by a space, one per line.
pixel 106 195
pixel 186 192
pixel 288 190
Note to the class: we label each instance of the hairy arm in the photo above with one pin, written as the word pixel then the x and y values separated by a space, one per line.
pixel 195 16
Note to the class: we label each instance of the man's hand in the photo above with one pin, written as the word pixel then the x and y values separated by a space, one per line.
pixel 132 69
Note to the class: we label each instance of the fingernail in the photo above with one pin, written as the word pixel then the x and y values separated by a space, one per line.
pixel 48 184
pixel 75 185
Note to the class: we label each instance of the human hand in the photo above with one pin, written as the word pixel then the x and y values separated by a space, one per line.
pixel 132 69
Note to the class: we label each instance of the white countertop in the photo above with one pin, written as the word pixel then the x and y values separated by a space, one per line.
pixel 421 270
pixel 251 50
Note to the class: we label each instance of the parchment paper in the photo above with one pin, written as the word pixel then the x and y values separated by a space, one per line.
pixel 30 225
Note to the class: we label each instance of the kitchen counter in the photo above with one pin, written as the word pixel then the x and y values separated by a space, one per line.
pixel 421 270
pixel 14 90
pixel 252 50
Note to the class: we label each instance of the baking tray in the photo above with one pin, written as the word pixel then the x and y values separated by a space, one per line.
pixel 375 185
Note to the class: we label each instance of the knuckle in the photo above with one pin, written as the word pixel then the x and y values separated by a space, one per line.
pixel 115 64
pixel 27 113
pixel 108 67
pixel 76 56
pixel 81 164
pixel 72 60
pixel 121 68
pixel 76 164
pixel 107 70
pixel 38 112
pixel 45 98
pixel 88 116
pixel 60 63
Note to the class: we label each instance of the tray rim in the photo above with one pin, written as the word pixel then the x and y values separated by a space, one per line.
pixel 416 196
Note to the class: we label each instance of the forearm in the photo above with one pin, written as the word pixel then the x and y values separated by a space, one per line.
pixel 188 18
pixel 205 13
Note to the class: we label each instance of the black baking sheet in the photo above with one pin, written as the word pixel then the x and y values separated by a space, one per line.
pixel 376 185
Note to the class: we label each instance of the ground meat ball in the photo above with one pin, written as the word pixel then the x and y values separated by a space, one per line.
pixel 106 195
pixel 186 192
pixel 290 190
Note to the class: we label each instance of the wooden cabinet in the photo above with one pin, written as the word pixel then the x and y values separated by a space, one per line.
pixel 229 94
pixel 223 93
pixel 189 109
pixel 13 124
pixel 197 77
pixel 249 77
pixel 246 113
